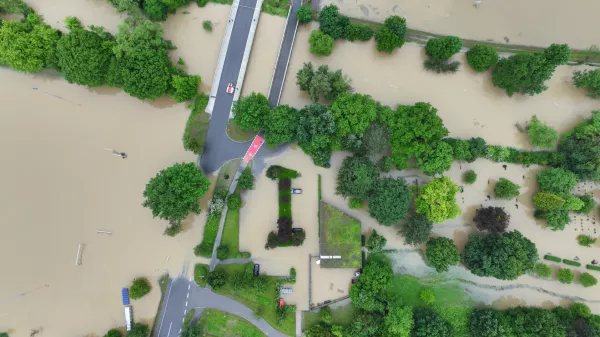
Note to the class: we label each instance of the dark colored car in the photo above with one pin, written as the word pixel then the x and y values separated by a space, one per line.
pixel 256 269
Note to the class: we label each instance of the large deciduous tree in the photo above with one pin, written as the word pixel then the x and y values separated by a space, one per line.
pixel 581 148
pixel 280 125
pixel 321 44
pixel 482 57
pixel 352 113
pixel 486 323
pixel 250 111
pixel 399 321
pixel 356 178
pixel 442 253
pixel 557 180
pixel 540 134
pixel 376 139
pixel 504 256
pixel 389 201
pixel 436 160
pixel 315 129
pixel 322 82
pixel 443 48
pixel 184 87
pixel 369 292
pixel 548 201
pixel 492 219
pixel 332 23
pixel 429 323
pixel 392 35
pixel 589 80
pixel 415 130
pixel 436 200
pixel 175 191
pixel 506 189
pixel 416 230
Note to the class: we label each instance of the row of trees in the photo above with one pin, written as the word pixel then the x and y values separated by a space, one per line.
pixel 136 59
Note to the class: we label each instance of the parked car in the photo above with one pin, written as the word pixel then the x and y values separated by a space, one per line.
pixel 296 191
pixel 285 291
pixel 256 269
pixel 297 230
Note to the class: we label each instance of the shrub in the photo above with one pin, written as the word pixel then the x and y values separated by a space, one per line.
pixel 557 219
pixel 552 258
pixel 110 333
pixel 587 280
pixel 273 172
pixel 207 25
pixel 556 180
pixel 246 179
pixel 326 316
pixel 139 288
pixel 581 310
pixel 359 32
pixel 222 252
pixel 216 279
pixel 588 80
pixel 443 48
pixel 293 273
pixel 285 199
pixel 482 57
pixel 202 3
pixel 234 201
pixel 304 14
pixel 469 177
pixel 442 253
pixel 298 238
pixel 585 240
pixel 321 44
pixel 493 219
pixel 506 189
pixel 565 276
pixel 285 184
pixel 204 249
pixel 173 229
pixel 592 267
pixel 571 263
pixel 542 270
pixel 386 164
pixel 540 134
pixel 376 242
pixel 588 204
pixel 548 201
pixel 427 296
pixel 355 203
pixel 572 203
pixel 441 66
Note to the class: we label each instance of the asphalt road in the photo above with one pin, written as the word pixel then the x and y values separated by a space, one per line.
pixel 184 294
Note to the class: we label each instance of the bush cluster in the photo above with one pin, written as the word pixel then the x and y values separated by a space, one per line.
pixel 440 50
pixel 482 57
pixel 139 288
pixel 470 177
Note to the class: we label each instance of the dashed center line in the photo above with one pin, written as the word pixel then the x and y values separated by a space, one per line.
pixel 185 311
pixel 188 295
pixel 186 303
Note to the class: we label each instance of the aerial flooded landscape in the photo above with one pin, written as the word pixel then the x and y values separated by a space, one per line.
pixel 299 168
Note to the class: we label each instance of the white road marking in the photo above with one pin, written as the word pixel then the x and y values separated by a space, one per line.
pixel 190 280
pixel 186 304
pixel 166 305
pixel 189 286
pixel 188 295
pixel 185 312
pixel 182 320
pixel 179 330
pixel 169 329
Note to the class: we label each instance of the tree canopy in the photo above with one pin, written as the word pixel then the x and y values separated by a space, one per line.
pixel 368 292
pixel 250 111
pixel 429 323
pixel 442 253
pixel 436 160
pixel 504 256
pixel 184 87
pixel 557 180
pixel 352 113
pixel 486 323
pixel 304 14
pixel 581 148
pixel 175 191
pixel 321 44
pixel 357 177
pixel 399 321
pixel 588 80
pixel 493 219
pixel 375 242
pixel 436 200
pixel 506 189
pixel 541 135
pixel 322 82
pixel 392 35
pixel 315 129
pixel 443 48
pixel 332 23
pixel 280 125
pixel 548 201
pixel 376 139
pixel 482 57
pixel 389 201
pixel 416 230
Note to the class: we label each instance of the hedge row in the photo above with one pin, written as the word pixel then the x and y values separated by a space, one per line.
pixel 552 258
pixel 571 263
pixel 592 267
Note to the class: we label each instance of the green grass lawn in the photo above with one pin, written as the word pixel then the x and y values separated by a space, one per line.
pixel 234 132
pixel 276 7
pixel 255 300
pixel 227 173
pixel 285 208
pixel 200 274
pixel 340 235
pixel 196 127
pixel 217 323
pixel 188 318
pixel 450 299
pixel 231 233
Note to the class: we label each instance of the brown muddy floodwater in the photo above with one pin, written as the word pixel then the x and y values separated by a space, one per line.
pixel 533 22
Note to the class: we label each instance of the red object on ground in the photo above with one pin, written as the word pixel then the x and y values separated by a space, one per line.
pixel 281 303
pixel 230 88
pixel 253 149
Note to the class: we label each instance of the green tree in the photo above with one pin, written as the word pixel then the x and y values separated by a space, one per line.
pixel 415 129
pixel 304 76
pixel 542 270
pixel 222 252
pixel 146 74
pixel 581 148
pixel 332 23
pixel 557 180
pixel 355 203
pixel 482 57
pixel 304 14
pixel 322 82
pixel 376 139
pixel 246 179
pixel 27 46
pixel 429 323
pixel 506 189
pixel 138 330
pixel 565 276
pixel 318 330
pixel 478 147
pixel 375 242
pixel 84 57
pixel 139 288
pixel 155 9
pixel 191 330
pixel 326 315
pixel 353 113
pixel 216 279
pixel 572 203
pixel 386 164
pixel 486 323
pixel 581 310
pixel 461 149
pixel 250 111
pixel 175 3
pixel 436 160
pixel 587 280
pixel 175 191
pixel 366 324
pixel 392 35
pixel 540 134
pixel 315 129
pixel 588 80
pixel 399 321
pixel 504 256
pixel 588 204
pixel 436 200
pixel 357 177
pixel 110 333
pixel 442 253
pixel 427 296
pixel 389 201
pixel 443 48
pixel 280 125
pixel 470 177
pixel 359 32
pixel 368 293
pixel 234 201
pixel 493 219
pixel 321 44
pixel 585 240
pixel 557 219
pixel 547 201
pixel 416 230
pixel 184 88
